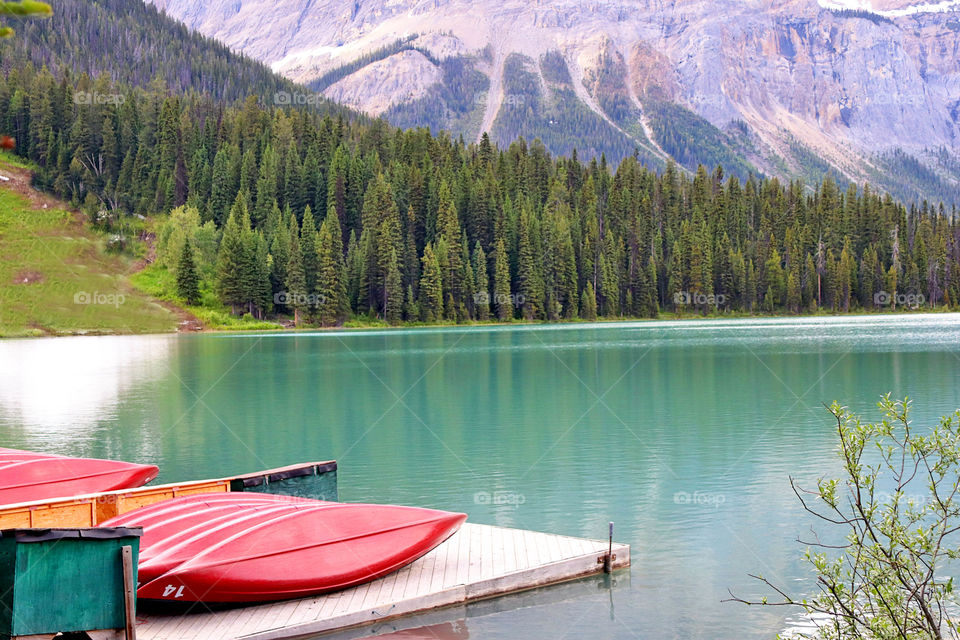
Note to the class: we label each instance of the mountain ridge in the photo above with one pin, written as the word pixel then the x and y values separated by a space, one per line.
pixel 792 79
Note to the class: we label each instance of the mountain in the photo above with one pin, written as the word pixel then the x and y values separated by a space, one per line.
pixel 133 43
pixel 334 219
pixel 794 88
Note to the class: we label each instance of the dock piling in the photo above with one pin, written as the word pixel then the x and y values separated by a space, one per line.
pixel 608 559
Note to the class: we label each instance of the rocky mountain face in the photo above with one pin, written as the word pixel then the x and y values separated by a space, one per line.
pixel 795 88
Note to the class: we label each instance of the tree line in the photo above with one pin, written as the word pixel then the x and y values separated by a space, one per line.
pixel 293 211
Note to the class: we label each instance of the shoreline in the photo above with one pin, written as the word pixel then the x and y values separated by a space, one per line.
pixel 665 317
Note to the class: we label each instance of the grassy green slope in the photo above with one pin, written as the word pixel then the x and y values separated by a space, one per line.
pixel 56 278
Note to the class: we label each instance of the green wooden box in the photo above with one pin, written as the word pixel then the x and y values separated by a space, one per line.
pixel 63 580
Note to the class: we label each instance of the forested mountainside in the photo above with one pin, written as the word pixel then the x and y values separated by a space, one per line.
pixel 787 88
pixel 291 209
pixel 133 43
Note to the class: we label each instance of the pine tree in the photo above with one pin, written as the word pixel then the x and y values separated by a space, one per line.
pixel 530 285
pixel 293 192
pixel 651 305
pixel 588 303
pixel 431 287
pixel 296 293
pixel 501 283
pixel 266 186
pixel 809 284
pixel 393 298
pixel 448 229
pixel 279 233
pixel 312 179
pixel 793 292
pixel 188 283
pixel 252 271
pixel 356 270
pixel 223 189
pixel 308 247
pixel 609 280
pixel 262 295
pixel 481 284
pixel 776 281
pixel 566 266
pixel 846 277
pixel 232 261
pixel 333 306
pixel 675 285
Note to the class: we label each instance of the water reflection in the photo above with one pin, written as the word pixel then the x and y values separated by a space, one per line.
pixel 587 599
pixel 53 392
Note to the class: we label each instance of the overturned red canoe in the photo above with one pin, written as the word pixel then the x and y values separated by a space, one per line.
pixel 26 476
pixel 278 549
pixel 176 530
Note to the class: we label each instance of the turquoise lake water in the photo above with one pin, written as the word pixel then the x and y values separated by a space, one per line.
pixel 682 433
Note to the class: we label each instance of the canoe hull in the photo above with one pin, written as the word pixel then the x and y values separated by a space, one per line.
pixel 278 552
pixel 28 477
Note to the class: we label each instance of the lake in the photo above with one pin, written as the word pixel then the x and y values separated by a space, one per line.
pixel 683 433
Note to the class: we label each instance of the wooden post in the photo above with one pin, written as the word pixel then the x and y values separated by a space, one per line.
pixel 608 559
pixel 129 592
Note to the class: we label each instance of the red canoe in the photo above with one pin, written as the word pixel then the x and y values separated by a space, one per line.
pixel 276 549
pixel 26 476
pixel 176 530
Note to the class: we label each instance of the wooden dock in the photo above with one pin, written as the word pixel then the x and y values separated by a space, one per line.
pixel 478 562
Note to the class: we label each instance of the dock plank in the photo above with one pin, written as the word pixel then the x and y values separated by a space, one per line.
pixel 479 561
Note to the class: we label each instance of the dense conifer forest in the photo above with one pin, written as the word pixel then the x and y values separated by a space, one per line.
pixel 134 43
pixel 325 216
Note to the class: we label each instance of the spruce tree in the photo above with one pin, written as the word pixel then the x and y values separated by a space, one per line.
pixel 481 284
pixel 279 250
pixel 411 307
pixel 266 186
pixel 501 283
pixel 448 228
pixel 393 288
pixel 296 294
pixel 530 284
pixel 262 289
pixel 232 259
pixel 308 247
pixel 232 263
pixel 188 283
pixel 431 287
pixel 331 287
pixel 588 303
pixel 223 189
pixel 676 288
